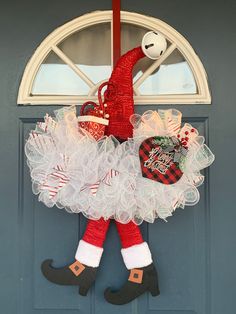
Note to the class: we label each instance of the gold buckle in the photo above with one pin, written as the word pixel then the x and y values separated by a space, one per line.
pixel 77 268
pixel 136 275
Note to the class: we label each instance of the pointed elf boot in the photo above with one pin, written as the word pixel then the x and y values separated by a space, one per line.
pixel 82 272
pixel 138 260
pixel 75 274
pixel 140 280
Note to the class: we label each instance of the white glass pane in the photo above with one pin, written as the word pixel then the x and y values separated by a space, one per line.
pixel 56 78
pixel 173 77
pixel 90 50
pixel 131 37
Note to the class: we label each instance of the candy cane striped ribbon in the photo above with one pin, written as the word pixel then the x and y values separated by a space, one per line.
pixel 172 120
pixel 48 125
pixel 61 179
pixel 41 141
pixel 106 179
pixel 55 181
pixel 111 174
pixel 94 187
pixel 172 126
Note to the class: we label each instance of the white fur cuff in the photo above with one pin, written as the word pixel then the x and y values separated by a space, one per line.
pixel 137 256
pixel 88 254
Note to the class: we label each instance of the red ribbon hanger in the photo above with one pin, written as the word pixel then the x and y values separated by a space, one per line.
pixel 116 31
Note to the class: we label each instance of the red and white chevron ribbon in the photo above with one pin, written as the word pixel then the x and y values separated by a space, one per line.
pixel 172 120
pixel 94 187
pixel 106 179
pixel 111 174
pixel 49 124
pixel 58 179
pixel 41 141
pixel 55 181
pixel 173 127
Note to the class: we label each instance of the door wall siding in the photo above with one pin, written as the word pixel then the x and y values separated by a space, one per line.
pixel 194 252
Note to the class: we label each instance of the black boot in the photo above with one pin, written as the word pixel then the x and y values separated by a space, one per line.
pixel 75 274
pixel 140 280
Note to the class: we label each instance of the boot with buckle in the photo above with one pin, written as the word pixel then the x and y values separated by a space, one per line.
pixel 140 280
pixel 75 274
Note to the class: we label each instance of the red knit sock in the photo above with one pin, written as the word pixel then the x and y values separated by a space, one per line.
pixel 96 231
pixel 129 233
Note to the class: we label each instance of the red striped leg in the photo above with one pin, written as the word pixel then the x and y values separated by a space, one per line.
pixel 90 248
pixel 135 251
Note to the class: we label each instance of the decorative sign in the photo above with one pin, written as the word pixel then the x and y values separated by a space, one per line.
pixel 161 159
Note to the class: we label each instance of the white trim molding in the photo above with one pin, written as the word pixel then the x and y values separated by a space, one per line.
pixel 51 42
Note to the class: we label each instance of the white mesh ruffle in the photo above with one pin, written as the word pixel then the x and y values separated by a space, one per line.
pixel 71 170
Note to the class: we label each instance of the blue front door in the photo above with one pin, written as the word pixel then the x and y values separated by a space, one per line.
pixel 194 252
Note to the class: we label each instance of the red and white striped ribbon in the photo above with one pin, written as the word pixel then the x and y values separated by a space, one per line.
pixel 106 179
pixel 49 124
pixel 59 177
pixel 173 127
pixel 172 120
pixel 111 174
pixel 41 141
pixel 94 187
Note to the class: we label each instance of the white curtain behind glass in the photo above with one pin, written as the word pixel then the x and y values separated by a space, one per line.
pixel 90 50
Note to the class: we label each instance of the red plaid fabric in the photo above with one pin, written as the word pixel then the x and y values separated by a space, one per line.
pixel 148 161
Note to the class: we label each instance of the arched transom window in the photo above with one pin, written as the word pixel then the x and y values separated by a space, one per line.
pixel 71 63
